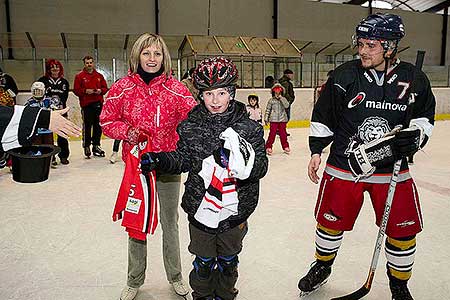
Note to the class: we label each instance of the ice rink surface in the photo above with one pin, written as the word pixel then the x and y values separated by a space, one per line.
pixel 58 241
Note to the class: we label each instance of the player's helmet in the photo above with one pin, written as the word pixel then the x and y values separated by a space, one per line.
pixel 215 72
pixel 387 28
pixel 38 89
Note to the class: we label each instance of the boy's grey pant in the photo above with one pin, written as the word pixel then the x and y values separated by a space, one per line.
pixel 168 192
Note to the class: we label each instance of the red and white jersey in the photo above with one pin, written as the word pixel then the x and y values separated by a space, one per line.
pixel 137 201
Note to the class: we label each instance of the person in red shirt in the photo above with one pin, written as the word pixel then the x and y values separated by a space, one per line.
pixel 150 102
pixel 90 86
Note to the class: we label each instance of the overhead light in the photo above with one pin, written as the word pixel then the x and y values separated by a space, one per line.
pixel 378 4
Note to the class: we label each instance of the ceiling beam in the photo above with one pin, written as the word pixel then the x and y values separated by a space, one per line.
pixel 438 7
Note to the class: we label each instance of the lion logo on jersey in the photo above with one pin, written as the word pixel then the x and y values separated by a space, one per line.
pixel 371 129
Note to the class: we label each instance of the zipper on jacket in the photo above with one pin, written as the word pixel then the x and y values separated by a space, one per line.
pixel 158 111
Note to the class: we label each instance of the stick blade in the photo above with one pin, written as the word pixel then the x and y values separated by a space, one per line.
pixel 355 295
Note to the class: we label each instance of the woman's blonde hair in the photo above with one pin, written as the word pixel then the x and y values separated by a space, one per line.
pixel 144 41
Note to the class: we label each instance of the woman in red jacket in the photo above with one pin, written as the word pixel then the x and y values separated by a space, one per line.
pixel 150 102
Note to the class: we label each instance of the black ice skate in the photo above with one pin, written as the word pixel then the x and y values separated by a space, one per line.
pixel 399 290
pixel 316 277
pixel 87 152
pixel 97 151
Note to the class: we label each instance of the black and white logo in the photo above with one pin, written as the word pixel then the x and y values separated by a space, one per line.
pixel 372 128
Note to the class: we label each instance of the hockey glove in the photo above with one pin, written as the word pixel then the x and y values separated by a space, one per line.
pixel 365 158
pixel 408 141
pixel 222 157
pixel 156 161
pixel 148 162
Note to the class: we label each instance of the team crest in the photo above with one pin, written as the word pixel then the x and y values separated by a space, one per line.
pixel 372 128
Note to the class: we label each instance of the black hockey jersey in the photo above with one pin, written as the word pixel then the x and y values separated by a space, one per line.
pixel 357 107
pixel 56 88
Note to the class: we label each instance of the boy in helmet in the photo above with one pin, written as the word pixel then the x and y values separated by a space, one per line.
pixel 362 101
pixel 223 151
pixel 38 99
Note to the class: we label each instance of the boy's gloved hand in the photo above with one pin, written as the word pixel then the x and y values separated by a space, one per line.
pixel 148 162
pixel 222 156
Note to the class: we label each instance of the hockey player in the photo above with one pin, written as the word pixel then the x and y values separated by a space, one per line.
pixel 57 87
pixel 363 100
pixel 223 151
pixel 38 99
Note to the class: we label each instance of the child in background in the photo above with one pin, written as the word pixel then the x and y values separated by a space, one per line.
pixel 276 115
pixel 38 99
pixel 253 110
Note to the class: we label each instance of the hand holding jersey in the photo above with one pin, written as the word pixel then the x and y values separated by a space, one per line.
pixel 365 158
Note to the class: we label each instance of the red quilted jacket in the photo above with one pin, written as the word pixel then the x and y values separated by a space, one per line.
pixel 156 108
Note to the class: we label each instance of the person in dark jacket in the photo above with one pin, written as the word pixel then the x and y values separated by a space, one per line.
pixel 223 151
pixel 57 88
pixel 289 94
pixel 8 90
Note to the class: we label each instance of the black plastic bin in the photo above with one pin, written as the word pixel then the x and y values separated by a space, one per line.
pixel 31 164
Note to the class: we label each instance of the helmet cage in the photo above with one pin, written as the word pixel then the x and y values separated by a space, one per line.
pixel 38 90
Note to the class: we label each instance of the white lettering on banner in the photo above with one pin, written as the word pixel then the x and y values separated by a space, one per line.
pixel 385 106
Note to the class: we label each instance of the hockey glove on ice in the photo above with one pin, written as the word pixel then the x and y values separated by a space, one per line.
pixel 408 141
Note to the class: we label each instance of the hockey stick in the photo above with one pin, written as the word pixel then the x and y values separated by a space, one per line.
pixel 365 289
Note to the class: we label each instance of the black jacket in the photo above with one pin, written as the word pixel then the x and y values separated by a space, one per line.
pixel 199 137
pixel 289 93
pixel 56 87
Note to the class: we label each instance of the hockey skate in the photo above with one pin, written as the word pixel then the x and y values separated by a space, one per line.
pixel 316 277
pixel 97 151
pixel 399 290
